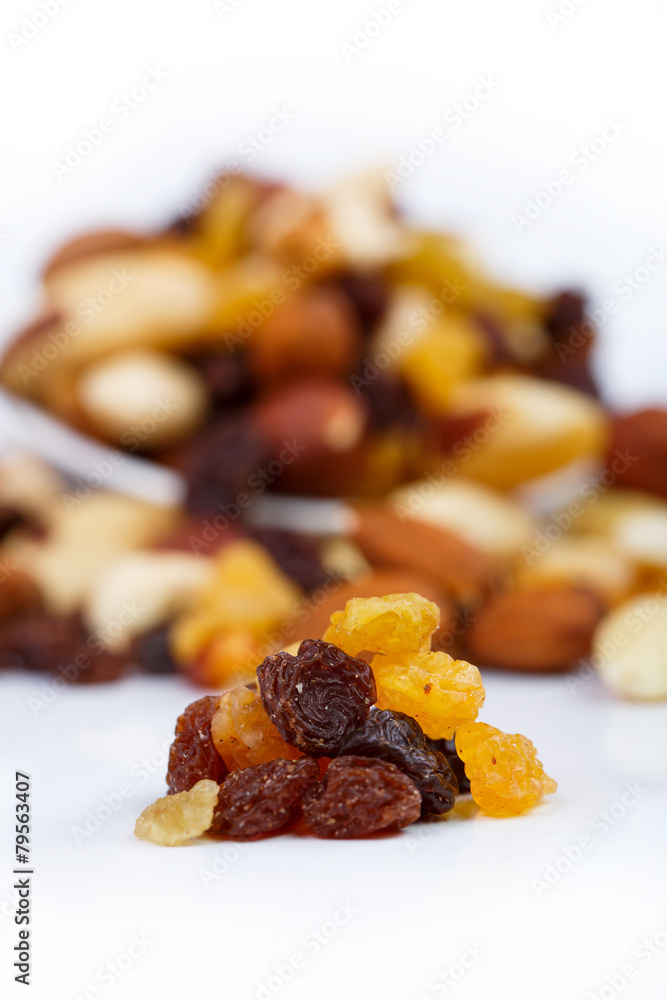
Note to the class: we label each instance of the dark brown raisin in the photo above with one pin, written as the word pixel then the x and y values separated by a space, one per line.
pixel 297 555
pixel 192 755
pixel 9 518
pixel 369 293
pixel 389 402
pixel 151 652
pixel 395 737
pixel 225 377
pixel 258 801
pixel 448 749
pixel 61 645
pixel 219 464
pixel 566 313
pixel 318 697
pixel 359 796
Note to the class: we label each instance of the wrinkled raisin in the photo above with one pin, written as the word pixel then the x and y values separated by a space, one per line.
pixel 359 796
pixel 506 778
pixel 448 749
pixel 395 737
pixel 219 462
pixel 297 555
pixel 318 697
pixel 258 801
pixel 243 733
pixel 192 755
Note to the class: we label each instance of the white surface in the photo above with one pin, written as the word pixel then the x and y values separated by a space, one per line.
pixel 420 902
pixel 420 898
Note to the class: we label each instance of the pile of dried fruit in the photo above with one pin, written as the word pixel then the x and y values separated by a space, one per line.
pixel 350 746
pixel 276 341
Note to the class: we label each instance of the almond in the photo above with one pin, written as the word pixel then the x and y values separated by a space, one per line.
pixel 535 630
pixel 640 439
pixel 630 648
pixel 456 568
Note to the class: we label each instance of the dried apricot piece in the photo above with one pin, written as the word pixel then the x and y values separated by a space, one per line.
pixel 441 693
pixel 242 732
pixel 318 697
pixel 175 819
pixel 192 755
pixel 258 801
pixel 397 738
pixel 359 796
pixel 394 624
pixel 506 778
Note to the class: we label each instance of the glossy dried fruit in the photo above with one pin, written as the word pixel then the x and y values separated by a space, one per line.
pixel 395 624
pixel 318 697
pixel 192 755
pixel 438 691
pixel 175 819
pixel 242 732
pixel 448 749
pixel 359 796
pixel 397 738
pixel 258 801
pixel 506 778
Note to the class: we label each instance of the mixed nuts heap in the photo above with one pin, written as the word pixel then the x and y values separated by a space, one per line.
pixel 320 346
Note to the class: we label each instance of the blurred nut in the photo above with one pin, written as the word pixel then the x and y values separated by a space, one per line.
pixel 535 630
pixel 630 648
pixel 102 241
pixel 578 561
pixel 642 437
pixel 84 535
pixel 160 394
pixel 534 427
pixel 315 333
pixel 361 219
pixel 30 486
pixel 485 519
pixel 320 415
pixel 343 560
pixel 19 595
pixel 456 568
pixel 159 584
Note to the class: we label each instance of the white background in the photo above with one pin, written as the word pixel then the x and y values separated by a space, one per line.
pixel 470 883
